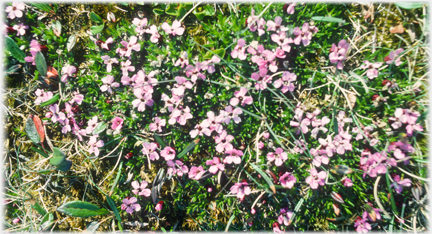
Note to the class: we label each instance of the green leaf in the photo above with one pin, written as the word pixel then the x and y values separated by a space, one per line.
pixel 65 165
pixel 159 140
pixel 39 209
pixel 40 152
pixel 219 52
pixel 57 27
pixel 158 11
pixel 31 131
pixel 114 208
pixel 163 230
pixel 190 147
pixel 199 15
pixel 265 176
pixel 409 5
pixel 13 69
pixel 172 9
pixel 209 10
pixel 42 6
pixel 53 100
pixel 96 29
pixel 44 172
pixel 328 19
pixel 95 17
pixel 229 222
pixel 81 209
pixel 58 157
pixel 92 227
pixel 392 200
pixel 15 51
pixel 99 128
pixel 41 63
pixel 47 222
pixel 71 42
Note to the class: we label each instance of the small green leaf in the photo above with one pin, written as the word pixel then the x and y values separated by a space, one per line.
pixel 328 19
pixel 71 42
pixel 172 9
pixel 95 17
pixel 209 10
pixel 44 172
pixel 65 165
pixel 40 152
pixel 41 63
pixel 47 222
pixel 81 209
pixel 99 128
pixel 219 52
pixel 96 29
pixel 15 51
pixel 113 208
pixel 163 230
pixel 53 100
pixel 42 6
pixel 13 69
pixel 199 15
pixel 159 140
pixel 158 11
pixel 409 5
pixel 190 147
pixel 58 157
pixel 57 28
pixel 39 209
pixel 31 131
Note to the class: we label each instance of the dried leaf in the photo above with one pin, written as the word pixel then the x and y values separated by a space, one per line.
pixel 336 209
pixel 397 29
pixel 411 34
pixel 351 99
pixel 39 128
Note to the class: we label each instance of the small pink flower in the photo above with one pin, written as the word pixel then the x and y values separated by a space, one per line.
pixel 34 48
pixel 117 123
pixel 142 100
pixel 109 83
pixel 176 167
pixel 291 8
pixel 106 44
pixel 316 178
pixel 279 157
pixel 276 25
pixel 303 35
pixel 200 129
pixel 287 180
pixel 183 60
pixel 181 115
pixel 239 50
pixel 241 98
pixel 285 217
pixel 155 36
pixel 130 205
pixel 338 53
pixel 231 113
pixel 194 72
pixel 361 225
pixel 129 46
pixel 223 142
pixel 262 79
pixel 241 189
pixel 215 165
pixel 372 69
pixel 196 173
pixel 159 206
pixel 125 67
pixel 175 29
pixel 394 57
pixel 141 25
pixel 266 135
pixel 282 41
pixel 157 125
pixel 42 96
pixel 149 149
pixel 109 61
pixel 253 211
pixel 92 123
pixel 286 82
pixel 94 145
pixel 137 187
pixel 16 220
pixel 15 10
pixel 67 72
pixel 233 156
pixel 398 183
pixel 347 182
pixel 168 153
pixel 260 145
pixel 20 28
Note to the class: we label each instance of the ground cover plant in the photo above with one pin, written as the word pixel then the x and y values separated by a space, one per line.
pixel 216 117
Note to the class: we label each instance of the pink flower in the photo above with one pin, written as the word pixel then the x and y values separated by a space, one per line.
pixel 394 57
pixel 241 98
pixel 141 25
pixel 130 205
pixel 231 113
pixel 15 10
pixel 378 215
pixel 196 173
pixel 109 61
pixel 67 72
pixel 176 167
pixel 137 187
pixel 233 156
pixel 301 125
pixel 181 115
pixel 241 189
pixel 181 86
pixel 215 165
pixel 372 69
pixel 260 144
pixel 16 220
pixel 108 83
pixel 56 114
pixel 168 153
pixel 282 41
pixel 398 183
pixel 276 25
pixel 223 142
pixel 214 122
pixel 157 125
pixel 149 149
pixel 285 82
pixel 183 60
pixel 176 28
pixel 279 157
pixel 155 36
pixel 262 79
pixel 125 67
pixel 94 145
pixel 20 28
pixel 106 44
pixel 194 72
pixel 361 225
pixel 201 129
pixel 239 50
pixel 92 123
pixel 303 35
pixel 117 123
pixel 338 53
pixel 42 96
pixel 131 45
pixel 34 48
pixel 287 180
pixel 316 178
pixel 159 206
pixel 347 182
pixel 291 8
pixel 285 217
pixel 142 100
